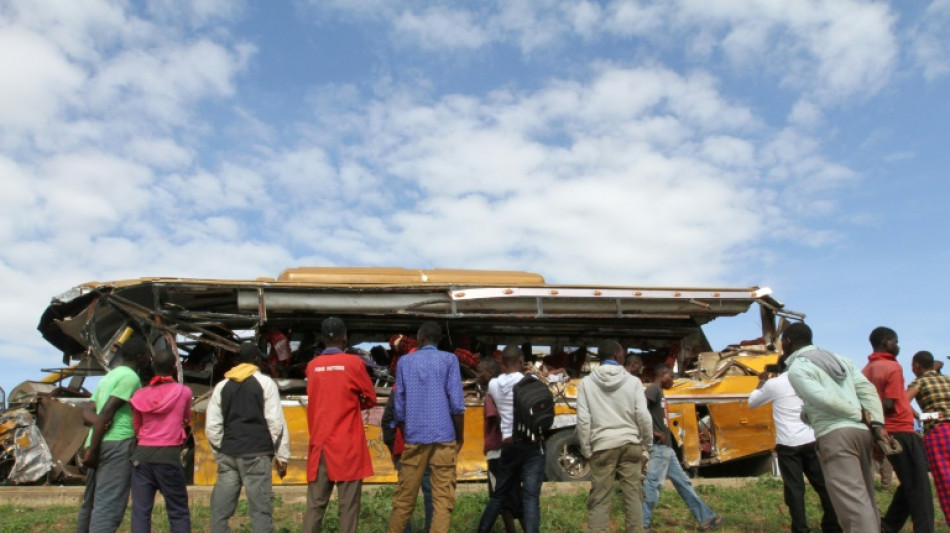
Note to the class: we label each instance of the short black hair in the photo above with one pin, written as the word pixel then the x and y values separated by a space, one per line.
pixel 134 349
pixel 249 353
pixel 798 332
pixel 631 358
pixel 609 349
pixel 164 362
pixel 880 334
pixel 332 329
pixel 925 359
pixel 511 355
pixel 491 365
pixel 430 334
pixel 659 368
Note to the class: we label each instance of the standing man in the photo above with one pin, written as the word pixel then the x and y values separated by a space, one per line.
pixel 932 391
pixel 160 413
pixel 663 461
pixel 489 369
pixel 106 459
pixel 795 447
pixel 245 427
pixel 835 399
pixel 522 461
pixel 430 410
pixel 634 365
pixel 615 434
pixel 913 497
pixel 338 389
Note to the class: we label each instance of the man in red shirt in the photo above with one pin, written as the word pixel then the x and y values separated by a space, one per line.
pixel 913 498
pixel 338 389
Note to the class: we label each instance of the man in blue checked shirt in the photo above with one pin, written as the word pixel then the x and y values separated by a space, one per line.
pixel 430 409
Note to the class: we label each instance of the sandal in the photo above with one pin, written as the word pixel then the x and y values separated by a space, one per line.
pixel 713 525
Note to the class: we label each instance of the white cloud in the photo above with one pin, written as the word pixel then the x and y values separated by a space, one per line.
pixel 929 40
pixel 439 28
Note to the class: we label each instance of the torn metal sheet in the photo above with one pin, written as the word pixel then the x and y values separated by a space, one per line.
pixel 26 457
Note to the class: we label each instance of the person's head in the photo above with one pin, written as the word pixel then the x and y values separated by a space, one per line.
pixel 610 350
pixel 795 336
pixel 938 366
pixel 884 340
pixel 512 359
pixel 430 334
pixel 922 362
pixel 488 368
pixel 663 375
pixel 634 364
pixel 135 353
pixel 164 363
pixel 333 333
pixel 249 353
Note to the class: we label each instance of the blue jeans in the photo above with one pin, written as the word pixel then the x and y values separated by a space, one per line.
pixel 520 462
pixel 107 489
pixel 148 478
pixel 664 464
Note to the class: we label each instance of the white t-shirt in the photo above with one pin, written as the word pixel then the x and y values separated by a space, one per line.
pixel 786 411
pixel 501 391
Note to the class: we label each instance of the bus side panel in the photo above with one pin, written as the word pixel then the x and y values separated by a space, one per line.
pixel 740 431
pixel 683 425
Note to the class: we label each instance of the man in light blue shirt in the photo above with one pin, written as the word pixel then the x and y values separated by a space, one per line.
pixel 836 397
pixel 429 407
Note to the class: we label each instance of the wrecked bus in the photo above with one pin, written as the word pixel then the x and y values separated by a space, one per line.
pixel 203 321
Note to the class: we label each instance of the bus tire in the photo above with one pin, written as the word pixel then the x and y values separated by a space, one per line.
pixel 563 459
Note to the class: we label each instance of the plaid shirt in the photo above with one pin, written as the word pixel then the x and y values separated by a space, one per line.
pixel 933 396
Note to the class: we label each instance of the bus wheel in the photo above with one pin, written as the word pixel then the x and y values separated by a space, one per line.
pixel 563 459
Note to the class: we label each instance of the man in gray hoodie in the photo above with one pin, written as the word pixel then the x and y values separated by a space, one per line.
pixel 615 433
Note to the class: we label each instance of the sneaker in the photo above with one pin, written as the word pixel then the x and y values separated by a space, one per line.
pixel 713 525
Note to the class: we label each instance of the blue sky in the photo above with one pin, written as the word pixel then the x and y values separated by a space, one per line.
pixel 797 145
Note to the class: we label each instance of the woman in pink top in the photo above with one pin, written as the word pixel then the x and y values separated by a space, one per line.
pixel 160 413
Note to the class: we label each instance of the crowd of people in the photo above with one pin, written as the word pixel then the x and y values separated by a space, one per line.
pixel 831 421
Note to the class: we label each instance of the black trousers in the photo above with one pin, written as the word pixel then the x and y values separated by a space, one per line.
pixel 795 463
pixel 913 498
pixel 148 478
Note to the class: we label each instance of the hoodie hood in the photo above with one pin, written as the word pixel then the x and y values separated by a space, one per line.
pixel 825 361
pixel 158 399
pixel 610 377
pixel 241 372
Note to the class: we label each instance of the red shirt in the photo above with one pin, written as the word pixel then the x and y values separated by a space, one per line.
pixel 886 374
pixel 338 389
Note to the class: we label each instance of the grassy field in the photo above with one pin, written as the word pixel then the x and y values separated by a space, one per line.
pixel 757 507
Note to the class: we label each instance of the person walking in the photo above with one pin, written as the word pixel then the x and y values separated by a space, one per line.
pixel 836 400
pixel 338 390
pixel 429 408
pixel 160 413
pixel 663 462
pixel 913 498
pixel 106 457
pixel 246 430
pixel 796 451
pixel 932 392
pixel 615 432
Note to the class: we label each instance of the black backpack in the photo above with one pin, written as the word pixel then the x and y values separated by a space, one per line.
pixel 533 409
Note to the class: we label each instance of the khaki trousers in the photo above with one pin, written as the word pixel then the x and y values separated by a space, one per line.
pixel 349 494
pixel 845 456
pixel 441 459
pixel 622 464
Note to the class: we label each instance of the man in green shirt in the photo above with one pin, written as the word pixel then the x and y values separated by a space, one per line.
pixel 106 458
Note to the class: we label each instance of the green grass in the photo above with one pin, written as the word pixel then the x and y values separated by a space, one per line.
pixel 756 507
